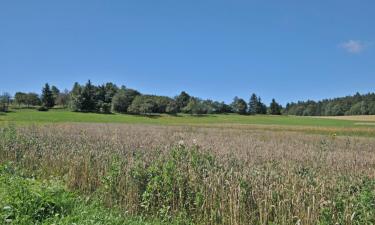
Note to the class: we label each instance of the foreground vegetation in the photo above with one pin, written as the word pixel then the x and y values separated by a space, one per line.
pixel 25 200
pixel 204 175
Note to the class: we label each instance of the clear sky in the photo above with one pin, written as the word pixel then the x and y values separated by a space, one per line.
pixel 289 50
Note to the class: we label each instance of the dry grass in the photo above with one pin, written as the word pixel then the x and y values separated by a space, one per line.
pixel 210 175
pixel 367 118
pixel 365 123
pixel 366 131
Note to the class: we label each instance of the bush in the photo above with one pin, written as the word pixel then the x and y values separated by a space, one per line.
pixel 42 108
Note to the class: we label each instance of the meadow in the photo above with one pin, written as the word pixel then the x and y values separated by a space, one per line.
pixel 357 126
pixel 61 115
pixel 186 174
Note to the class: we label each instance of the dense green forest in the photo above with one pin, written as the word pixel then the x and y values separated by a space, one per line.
pixel 350 105
pixel 109 97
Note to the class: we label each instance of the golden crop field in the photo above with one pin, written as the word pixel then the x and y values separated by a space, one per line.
pixel 208 175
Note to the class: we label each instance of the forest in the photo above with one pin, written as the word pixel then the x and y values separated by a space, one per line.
pixel 350 105
pixel 111 98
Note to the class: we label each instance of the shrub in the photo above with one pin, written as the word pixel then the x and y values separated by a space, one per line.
pixel 42 108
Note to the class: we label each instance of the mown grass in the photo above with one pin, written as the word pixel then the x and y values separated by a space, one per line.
pixel 277 123
pixel 58 115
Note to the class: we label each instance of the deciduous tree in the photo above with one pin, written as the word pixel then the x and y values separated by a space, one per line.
pixel 239 106
pixel 123 99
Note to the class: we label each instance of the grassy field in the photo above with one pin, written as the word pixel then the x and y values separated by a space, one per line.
pixel 59 115
pixel 263 122
pixel 55 116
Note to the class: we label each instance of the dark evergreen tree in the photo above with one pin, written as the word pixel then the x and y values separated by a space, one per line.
pixel 275 108
pixel 89 98
pixel 253 105
pixel 55 93
pixel 262 108
pixel 47 97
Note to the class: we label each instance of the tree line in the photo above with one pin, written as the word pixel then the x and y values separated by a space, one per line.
pixel 350 105
pixel 109 97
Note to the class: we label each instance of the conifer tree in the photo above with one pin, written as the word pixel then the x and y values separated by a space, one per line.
pixel 47 97
pixel 88 97
pixel 253 104
pixel 275 108
pixel 262 108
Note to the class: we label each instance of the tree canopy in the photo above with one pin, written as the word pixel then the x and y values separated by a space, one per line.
pixel 239 106
pixel 108 98
pixel 350 105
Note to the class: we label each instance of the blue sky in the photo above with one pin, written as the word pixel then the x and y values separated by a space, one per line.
pixel 289 50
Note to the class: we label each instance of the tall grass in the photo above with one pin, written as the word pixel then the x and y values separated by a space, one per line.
pixel 25 200
pixel 206 175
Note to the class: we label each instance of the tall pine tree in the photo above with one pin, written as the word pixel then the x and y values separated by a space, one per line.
pixel 47 97
pixel 253 104
pixel 262 108
pixel 275 108
pixel 89 98
pixel 55 92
